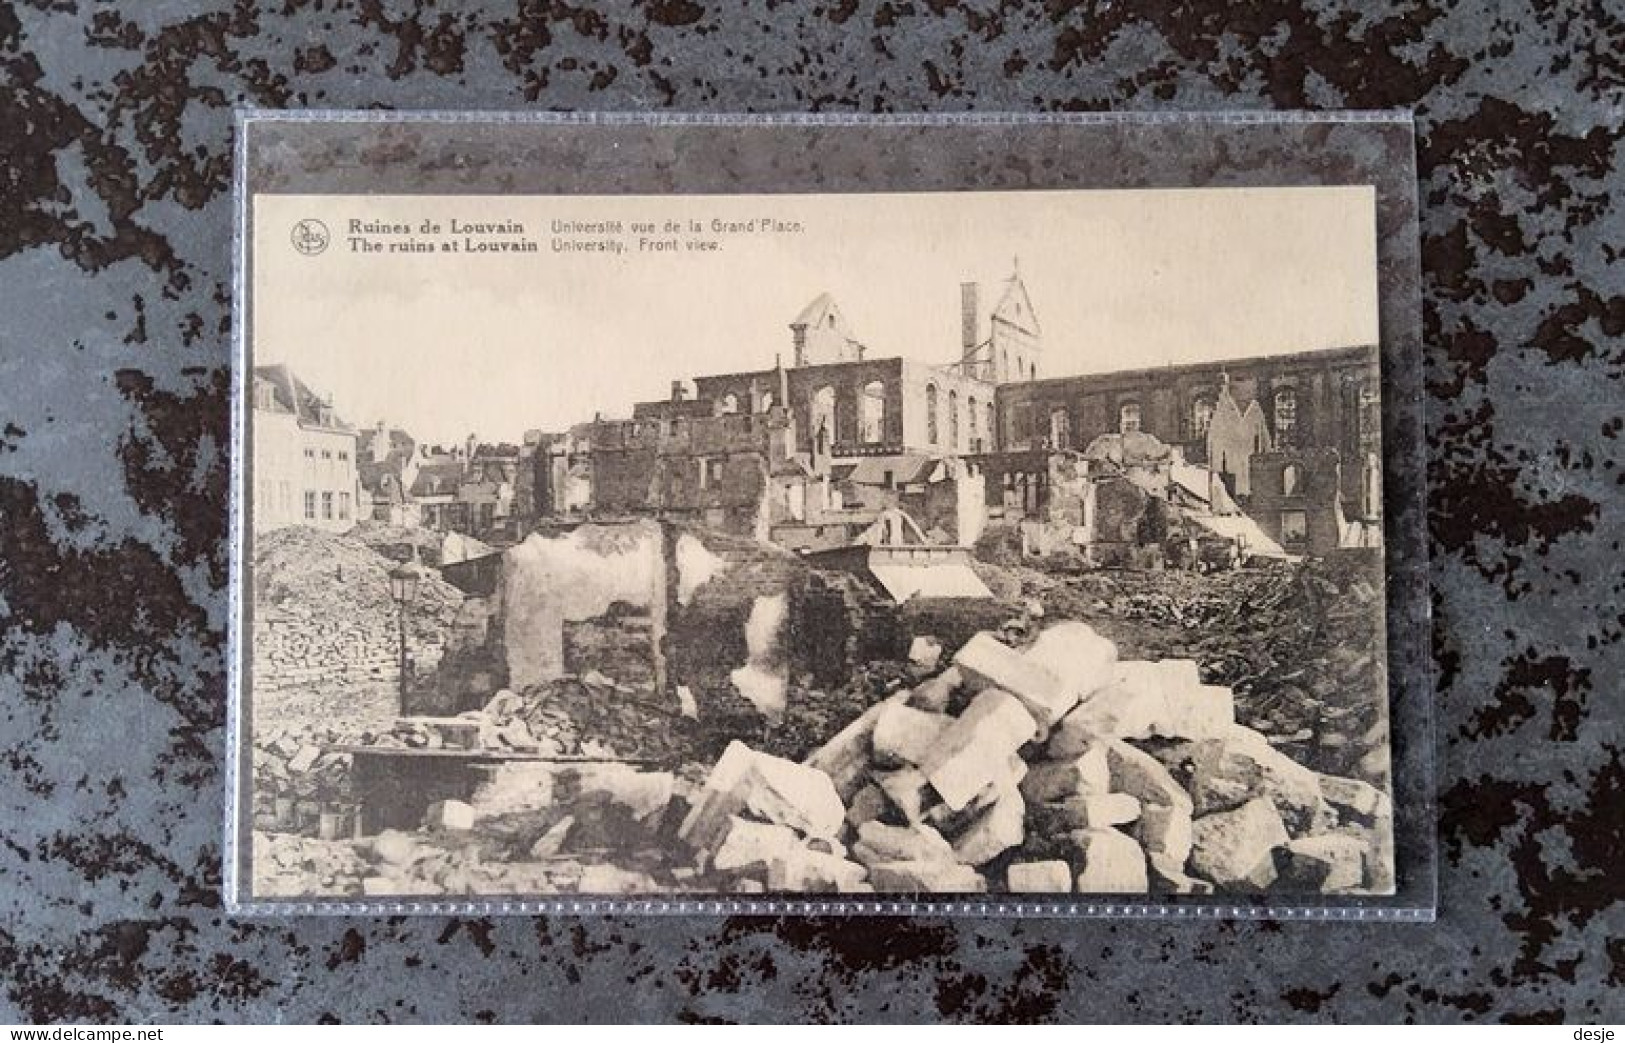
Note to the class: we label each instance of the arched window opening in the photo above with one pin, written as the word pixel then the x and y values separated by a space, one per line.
pixel 1201 415
pixel 931 413
pixel 872 415
pixel 729 404
pixel 953 420
pixel 823 420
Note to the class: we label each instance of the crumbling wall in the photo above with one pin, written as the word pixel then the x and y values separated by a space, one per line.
pixel 621 644
pixel 550 581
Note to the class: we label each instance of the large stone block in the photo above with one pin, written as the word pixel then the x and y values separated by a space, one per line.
pixel 1110 862
pixel 1362 798
pixel 878 842
pixel 846 756
pixel 907 790
pixel 1168 876
pixel 1051 877
pixel 975 749
pixel 868 804
pixel 641 794
pixel 1141 775
pixel 926 878
pixel 1077 775
pixel 1236 849
pixel 1081 659
pixel 752 846
pixel 1329 863
pixel 769 788
pixel 904 735
pixel 996 830
pixel 1227 772
pixel 449 814
pixel 988 663
pixel 815 872
pixel 1165 829
pixel 1057 817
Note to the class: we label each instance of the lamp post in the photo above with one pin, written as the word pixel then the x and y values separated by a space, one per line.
pixel 403 588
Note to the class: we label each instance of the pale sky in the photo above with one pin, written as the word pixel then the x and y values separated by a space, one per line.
pixel 445 344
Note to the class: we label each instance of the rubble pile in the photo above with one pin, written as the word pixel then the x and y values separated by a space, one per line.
pixel 1057 768
pixel 297 776
pixel 1050 768
pixel 1301 644
pixel 326 630
pixel 291 866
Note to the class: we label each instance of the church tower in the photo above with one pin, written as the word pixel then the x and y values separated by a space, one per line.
pixel 1000 340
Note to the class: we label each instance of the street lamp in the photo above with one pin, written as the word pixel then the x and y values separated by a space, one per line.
pixel 403 588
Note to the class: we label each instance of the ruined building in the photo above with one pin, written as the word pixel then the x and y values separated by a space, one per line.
pixel 808 455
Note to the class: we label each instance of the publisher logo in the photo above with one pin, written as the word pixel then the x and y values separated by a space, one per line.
pixel 310 237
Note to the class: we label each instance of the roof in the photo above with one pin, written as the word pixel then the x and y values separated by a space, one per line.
pixel 1254 540
pixel 948 579
pixel 817 311
pixel 905 469
pixel 438 478
pixel 293 395
pixel 380 479
pixel 1204 486
pixel 401 444
pixel 1005 300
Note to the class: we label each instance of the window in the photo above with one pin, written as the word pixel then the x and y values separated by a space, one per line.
pixel 1060 429
pixel 970 422
pixel 1128 417
pixel 310 454
pixel 953 420
pixel 767 401
pixel 1286 415
pixel 1294 526
pixel 1201 415
pixel 343 455
pixel 931 414
pixel 310 506
pixel 327 506
pixel 729 404
pixel 872 417
pixel 1289 480
pixel 823 419
pixel 344 506
pixel 990 428
pixel 327 454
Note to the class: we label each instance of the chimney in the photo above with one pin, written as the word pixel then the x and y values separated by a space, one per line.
pixel 969 307
pixel 678 391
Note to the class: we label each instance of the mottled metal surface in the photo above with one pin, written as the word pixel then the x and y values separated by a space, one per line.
pixel 114 292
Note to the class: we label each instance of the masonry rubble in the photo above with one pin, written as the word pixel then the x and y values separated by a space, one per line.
pixel 1055 768
pixel 1045 769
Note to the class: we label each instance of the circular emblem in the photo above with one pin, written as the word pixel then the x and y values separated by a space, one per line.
pixel 310 237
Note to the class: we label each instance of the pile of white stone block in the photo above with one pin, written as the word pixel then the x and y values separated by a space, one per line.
pixel 1054 768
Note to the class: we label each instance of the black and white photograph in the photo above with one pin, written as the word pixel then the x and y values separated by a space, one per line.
pixel 987 543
